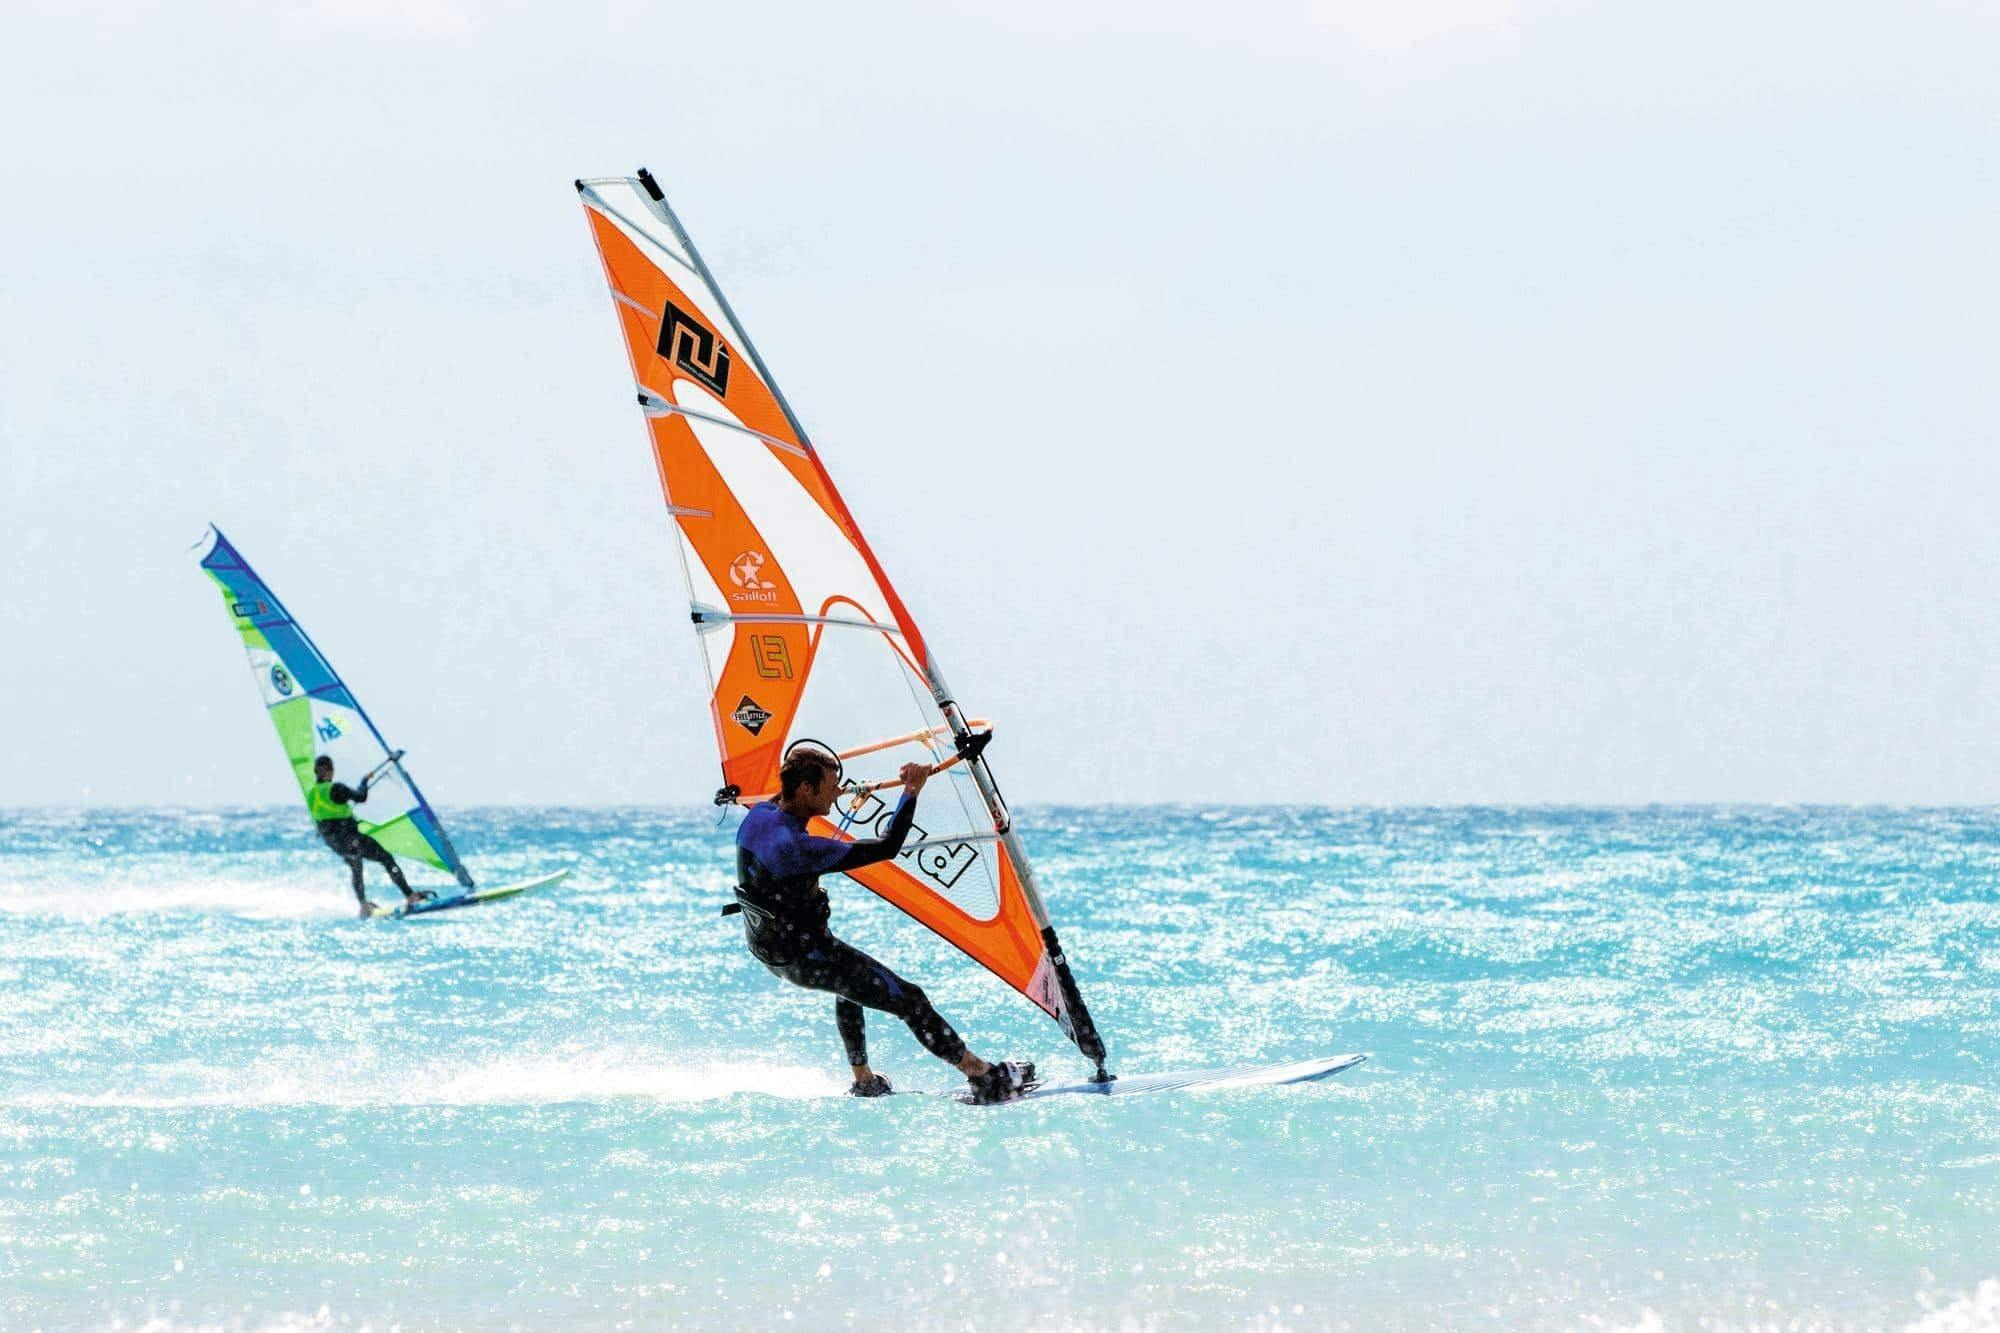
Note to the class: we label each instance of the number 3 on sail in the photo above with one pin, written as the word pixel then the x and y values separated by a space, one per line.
pixel 801 632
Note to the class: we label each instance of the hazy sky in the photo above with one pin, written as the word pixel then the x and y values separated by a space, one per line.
pixel 1440 400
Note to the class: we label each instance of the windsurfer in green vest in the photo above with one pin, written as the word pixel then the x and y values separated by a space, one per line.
pixel 332 805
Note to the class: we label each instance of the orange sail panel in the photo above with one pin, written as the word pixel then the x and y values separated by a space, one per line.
pixel 801 633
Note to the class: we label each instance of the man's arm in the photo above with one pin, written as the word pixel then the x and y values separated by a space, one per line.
pixel 859 854
pixel 346 795
pixel 814 855
pixel 855 855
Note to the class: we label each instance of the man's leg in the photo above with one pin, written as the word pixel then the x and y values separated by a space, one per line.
pixel 854 1036
pixel 862 982
pixel 343 847
pixel 375 852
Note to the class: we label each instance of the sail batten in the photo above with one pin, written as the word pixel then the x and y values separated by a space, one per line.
pixel 779 574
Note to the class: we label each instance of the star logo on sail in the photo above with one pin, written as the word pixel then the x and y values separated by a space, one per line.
pixel 750 715
pixel 746 571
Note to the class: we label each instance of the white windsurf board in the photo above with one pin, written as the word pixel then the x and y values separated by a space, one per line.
pixel 1192 1080
pixel 476 898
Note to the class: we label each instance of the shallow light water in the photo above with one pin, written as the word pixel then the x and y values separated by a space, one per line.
pixel 1656 1068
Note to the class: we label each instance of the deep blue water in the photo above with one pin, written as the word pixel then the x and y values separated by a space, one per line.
pixel 1659 1068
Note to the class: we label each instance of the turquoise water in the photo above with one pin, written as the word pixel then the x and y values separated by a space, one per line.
pixel 1655 1069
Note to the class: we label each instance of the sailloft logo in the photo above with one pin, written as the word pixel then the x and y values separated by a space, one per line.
pixel 281 680
pixel 746 571
pixel 692 348
pixel 328 729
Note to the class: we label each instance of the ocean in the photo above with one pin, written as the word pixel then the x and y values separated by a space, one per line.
pixel 1653 1068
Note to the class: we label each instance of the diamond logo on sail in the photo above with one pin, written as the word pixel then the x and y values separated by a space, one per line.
pixel 750 715
pixel 692 348
pixel 746 571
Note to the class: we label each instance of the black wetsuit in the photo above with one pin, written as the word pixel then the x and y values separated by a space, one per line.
pixel 785 911
pixel 353 846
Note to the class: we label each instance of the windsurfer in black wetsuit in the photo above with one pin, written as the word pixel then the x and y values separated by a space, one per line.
pixel 332 805
pixel 785 911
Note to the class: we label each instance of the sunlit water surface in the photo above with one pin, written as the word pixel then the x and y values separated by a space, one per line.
pixel 1652 1069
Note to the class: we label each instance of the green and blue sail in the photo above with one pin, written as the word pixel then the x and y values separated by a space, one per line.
pixel 316 714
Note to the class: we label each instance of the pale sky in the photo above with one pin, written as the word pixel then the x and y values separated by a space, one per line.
pixel 1438 401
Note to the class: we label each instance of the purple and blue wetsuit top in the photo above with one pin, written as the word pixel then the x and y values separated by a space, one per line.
pixel 778 865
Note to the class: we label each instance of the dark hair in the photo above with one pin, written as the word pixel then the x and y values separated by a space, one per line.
pixel 323 759
pixel 804 764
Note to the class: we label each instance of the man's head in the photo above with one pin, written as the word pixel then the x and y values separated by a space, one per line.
pixel 809 781
pixel 323 769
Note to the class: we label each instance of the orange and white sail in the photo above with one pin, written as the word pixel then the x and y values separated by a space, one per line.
pixel 802 634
